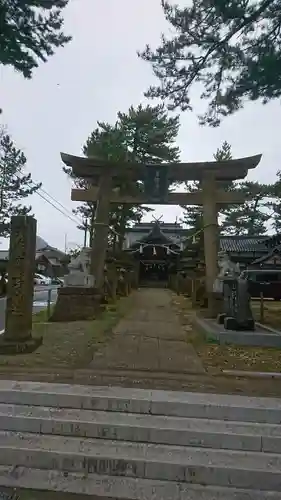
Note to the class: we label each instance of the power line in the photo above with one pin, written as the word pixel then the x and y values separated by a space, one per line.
pixel 56 201
pixel 58 209
pixel 76 221
pixel 33 184
pixel 70 217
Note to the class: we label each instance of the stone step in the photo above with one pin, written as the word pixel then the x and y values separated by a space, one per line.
pixel 133 427
pixel 202 466
pixel 178 404
pixel 116 488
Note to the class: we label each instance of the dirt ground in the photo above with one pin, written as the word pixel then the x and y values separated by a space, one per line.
pixel 227 357
pixel 67 345
pixel 147 341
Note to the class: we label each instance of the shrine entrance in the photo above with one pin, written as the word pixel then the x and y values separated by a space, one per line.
pixel 153 188
pixel 157 255
pixel 153 273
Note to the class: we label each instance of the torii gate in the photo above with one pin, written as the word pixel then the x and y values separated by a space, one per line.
pixel 103 174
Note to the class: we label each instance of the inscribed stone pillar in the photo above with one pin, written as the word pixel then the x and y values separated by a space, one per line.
pixel 17 337
pixel 210 218
pixel 100 242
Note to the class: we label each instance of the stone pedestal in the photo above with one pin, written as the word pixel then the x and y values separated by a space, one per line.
pixel 17 337
pixel 122 288
pixel 237 305
pixel 79 279
pixel 76 304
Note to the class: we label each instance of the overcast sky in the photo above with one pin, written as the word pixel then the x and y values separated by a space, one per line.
pixel 94 77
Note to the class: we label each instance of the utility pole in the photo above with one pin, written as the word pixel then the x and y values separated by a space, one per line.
pixel 85 232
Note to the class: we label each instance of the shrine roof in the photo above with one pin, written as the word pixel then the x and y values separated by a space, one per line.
pixel 271 253
pixel 237 244
pixel 92 167
pixel 273 240
pixel 167 227
pixel 170 233
pixel 155 234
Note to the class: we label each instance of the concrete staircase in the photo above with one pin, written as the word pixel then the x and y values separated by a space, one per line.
pixel 135 444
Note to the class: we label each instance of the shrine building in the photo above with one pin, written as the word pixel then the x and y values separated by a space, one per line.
pixel 160 247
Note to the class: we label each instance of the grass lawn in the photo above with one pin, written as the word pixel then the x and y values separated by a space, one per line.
pixel 41 316
pixel 227 357
pixel 68 345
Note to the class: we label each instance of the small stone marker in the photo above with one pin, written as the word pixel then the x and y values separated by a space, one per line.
pixel 17 337
pixel 237 305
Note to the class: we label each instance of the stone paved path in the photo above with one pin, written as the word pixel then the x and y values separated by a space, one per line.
pixel 150 337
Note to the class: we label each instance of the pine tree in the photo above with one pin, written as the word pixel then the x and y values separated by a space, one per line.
pixel 250 217
pixel 231 47
pixel 30 32
pixel 149 134
pixel 223 153
pixel 275 203
pixel 109 142
pixel 15 184
pixel 145 134
pixel 193 214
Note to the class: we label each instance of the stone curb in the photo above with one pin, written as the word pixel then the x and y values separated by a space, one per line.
pixel 154 402
pixel 119 489
pixel 262 375
pixel 141 428
pixel 145 461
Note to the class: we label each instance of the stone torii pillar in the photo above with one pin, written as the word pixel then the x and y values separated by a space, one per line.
pixel 211 236
pixel 100 240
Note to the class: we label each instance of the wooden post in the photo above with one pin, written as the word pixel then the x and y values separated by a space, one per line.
pixel 114 281
pixel 193 292
pixel 210 218
pixel 49 303
pixel 100 242
pixel 261 308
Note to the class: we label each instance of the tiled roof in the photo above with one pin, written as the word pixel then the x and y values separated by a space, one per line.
pixel 231 244
pixel 156 234
pixel 41 248
pixel 243 244
pixel 40 243
pixel 271 253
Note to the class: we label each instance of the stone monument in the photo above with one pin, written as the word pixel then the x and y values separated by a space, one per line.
pixel 237 305
pixel 79 270
pixel 17 337
pixel 227 268
pixel 78 299
pixel 234 295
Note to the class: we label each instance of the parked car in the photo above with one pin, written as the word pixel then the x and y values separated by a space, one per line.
pixel 265 281
pixel 57 281
pixel 39 279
